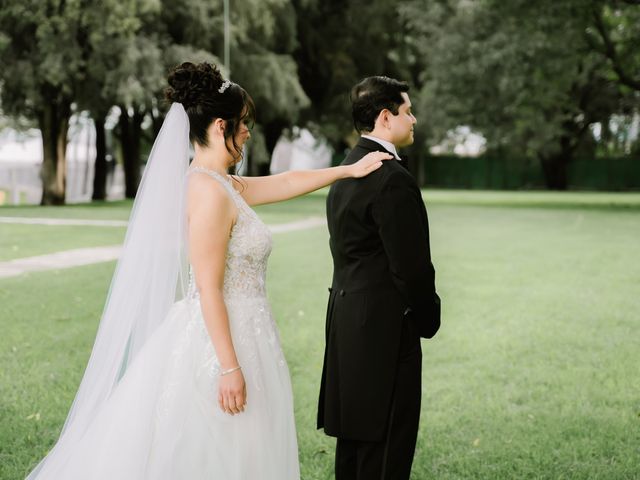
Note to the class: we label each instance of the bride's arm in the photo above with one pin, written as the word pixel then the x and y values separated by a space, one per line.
pixel 283 186
pixel 211 215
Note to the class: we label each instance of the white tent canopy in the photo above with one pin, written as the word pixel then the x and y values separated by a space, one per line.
pixel 300 152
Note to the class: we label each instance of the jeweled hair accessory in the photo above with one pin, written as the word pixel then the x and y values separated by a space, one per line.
pixel 226 84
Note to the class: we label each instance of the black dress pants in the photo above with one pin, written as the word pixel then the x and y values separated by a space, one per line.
pixel 391 458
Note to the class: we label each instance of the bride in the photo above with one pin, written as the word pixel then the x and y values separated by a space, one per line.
pixel 187 379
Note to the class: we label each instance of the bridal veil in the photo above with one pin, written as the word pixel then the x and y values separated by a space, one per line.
pixel 150 276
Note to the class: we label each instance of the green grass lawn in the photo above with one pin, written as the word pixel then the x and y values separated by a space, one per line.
pixel 19 240
pixel 97 211
pixel 534 373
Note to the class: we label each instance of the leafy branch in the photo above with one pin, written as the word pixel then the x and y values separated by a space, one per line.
pixel 608 48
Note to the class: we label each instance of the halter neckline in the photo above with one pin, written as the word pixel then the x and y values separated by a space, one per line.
pixel 225 178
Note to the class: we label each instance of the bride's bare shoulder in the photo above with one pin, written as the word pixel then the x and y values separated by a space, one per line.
pixel 205 194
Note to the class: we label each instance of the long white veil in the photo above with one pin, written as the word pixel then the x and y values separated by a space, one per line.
pixel 150 276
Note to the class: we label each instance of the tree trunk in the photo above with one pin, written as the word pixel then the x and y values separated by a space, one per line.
pixel 54 124
pixel 555 166
pixel 554 169
pixel 414 158
pixel 130 131
pixel 272 132
pixel 100 169
pixel 157 121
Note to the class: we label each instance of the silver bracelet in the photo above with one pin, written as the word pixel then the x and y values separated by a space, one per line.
pixel 231 370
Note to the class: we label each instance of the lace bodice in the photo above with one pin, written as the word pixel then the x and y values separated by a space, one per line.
pixel 247 252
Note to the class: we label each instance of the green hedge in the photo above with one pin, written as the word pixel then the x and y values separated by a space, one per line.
pixel 504 174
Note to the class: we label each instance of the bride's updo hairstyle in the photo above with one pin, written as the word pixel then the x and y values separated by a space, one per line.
pixel 205 96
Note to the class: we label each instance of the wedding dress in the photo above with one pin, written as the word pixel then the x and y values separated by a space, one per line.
pixel 163 422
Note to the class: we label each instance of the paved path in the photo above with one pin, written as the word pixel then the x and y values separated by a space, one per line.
pixel 63 221
pixel 65 259
pixel 88 256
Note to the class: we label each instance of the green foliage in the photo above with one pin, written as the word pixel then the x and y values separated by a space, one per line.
pixel 275 89
pixel 258 152
pixel 61 44
pixel 256 21
pixel 524 74
pixel 340 43
pixel 614 33
pixel 95 55
pixel 532 77
pixel 61 52
pixel 264 37
pixel 193 31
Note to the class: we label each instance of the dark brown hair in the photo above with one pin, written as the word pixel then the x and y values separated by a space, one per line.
pixel 371 96
pixel 197 88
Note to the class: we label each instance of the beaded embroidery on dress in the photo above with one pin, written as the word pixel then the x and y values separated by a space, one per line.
pixel 245 282
pixel 163 421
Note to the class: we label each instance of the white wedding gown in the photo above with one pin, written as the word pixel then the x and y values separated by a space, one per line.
pixel 163 421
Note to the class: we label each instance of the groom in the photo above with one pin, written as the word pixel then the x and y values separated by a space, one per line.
pixel 382 300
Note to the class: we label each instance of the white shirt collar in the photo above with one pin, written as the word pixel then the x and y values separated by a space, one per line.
pixel 390 147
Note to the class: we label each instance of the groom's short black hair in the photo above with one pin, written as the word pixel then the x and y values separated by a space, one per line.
pixel 371 96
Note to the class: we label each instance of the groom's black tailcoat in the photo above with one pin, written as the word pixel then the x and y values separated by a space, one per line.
pixel 383 290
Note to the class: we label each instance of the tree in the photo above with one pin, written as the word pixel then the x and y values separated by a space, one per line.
pixel 108 68
pixel 522 73
pixel 615 33
pixel 262 62
pixel 131 75
pixel 47 48
pixel 340 42
pixel 193 31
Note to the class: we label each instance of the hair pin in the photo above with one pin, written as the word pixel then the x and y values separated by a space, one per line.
pixel 226 84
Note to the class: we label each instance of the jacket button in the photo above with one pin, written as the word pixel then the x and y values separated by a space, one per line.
pixel 342 292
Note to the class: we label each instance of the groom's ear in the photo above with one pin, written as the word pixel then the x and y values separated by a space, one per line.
pixel 383 118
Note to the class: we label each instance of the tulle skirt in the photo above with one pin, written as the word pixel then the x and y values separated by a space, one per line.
pixel 163 420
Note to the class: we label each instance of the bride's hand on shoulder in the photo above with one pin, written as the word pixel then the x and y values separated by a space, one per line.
pixel 369 163
pixel 232 393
